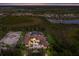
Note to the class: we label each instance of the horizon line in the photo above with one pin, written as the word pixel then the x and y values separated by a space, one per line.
pixel 39 4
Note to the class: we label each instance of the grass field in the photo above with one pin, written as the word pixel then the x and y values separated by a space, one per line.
pixel 63 39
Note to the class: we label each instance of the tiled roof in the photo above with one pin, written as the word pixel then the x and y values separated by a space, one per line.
pixel 36 35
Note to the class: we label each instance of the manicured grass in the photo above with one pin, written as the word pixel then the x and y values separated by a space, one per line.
pixel 13 20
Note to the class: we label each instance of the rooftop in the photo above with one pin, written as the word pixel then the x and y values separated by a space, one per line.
pixel 11 38
pixel 35 40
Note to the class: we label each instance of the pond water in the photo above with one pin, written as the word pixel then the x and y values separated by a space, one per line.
pixel 70 21
pixel 64 21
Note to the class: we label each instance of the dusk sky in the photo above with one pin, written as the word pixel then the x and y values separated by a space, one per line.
pixel 48 4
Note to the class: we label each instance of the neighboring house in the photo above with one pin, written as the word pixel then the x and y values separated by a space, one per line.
pixel 10 39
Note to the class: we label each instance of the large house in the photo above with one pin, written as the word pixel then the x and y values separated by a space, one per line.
pixel 35 41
